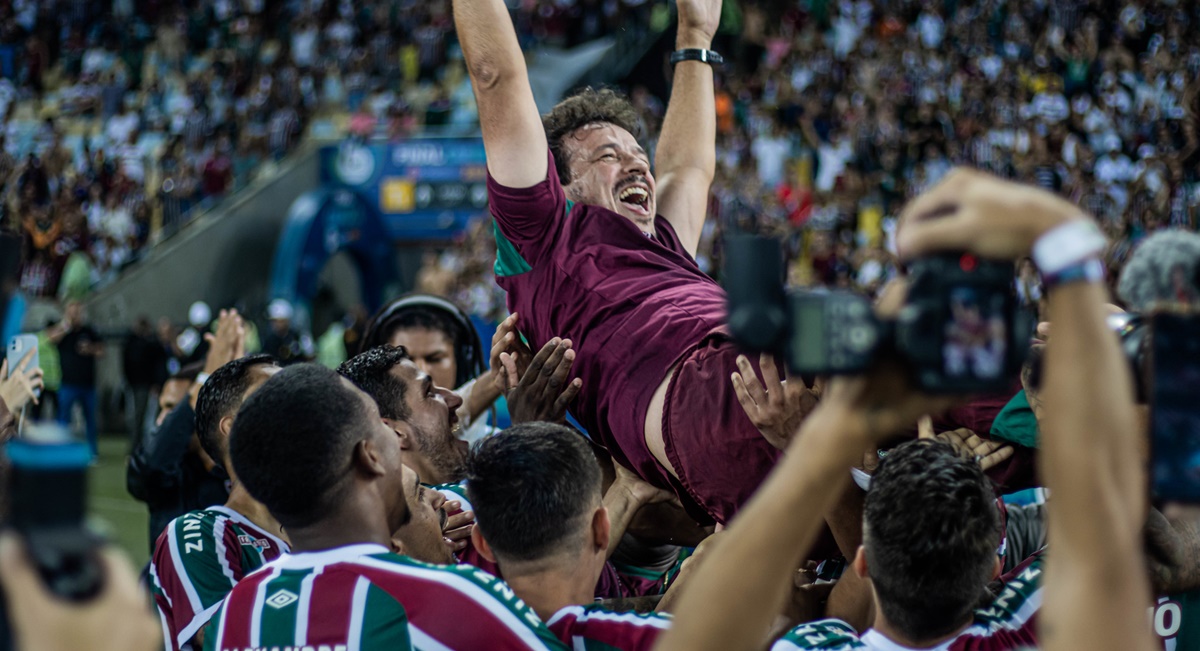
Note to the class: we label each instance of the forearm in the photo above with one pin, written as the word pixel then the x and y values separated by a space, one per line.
pixel 766 542
pixel 622 505
pixel 508 116
pixel 1089 450
pixel 1090 464
pixel 689 132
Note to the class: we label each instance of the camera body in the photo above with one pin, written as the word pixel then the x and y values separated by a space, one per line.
pixel 961 329
pixel 47 484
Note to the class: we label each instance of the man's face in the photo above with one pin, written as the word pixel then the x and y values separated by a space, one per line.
pixel 432 351
pixel 609 169
pixel 422 537
pixel 173 393
pixel 387 444
pixel 437 454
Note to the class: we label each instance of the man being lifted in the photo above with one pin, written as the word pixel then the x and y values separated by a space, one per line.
pixel 595 248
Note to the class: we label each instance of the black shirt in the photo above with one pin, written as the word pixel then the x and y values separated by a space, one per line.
pixel 77 368
pixel 145 360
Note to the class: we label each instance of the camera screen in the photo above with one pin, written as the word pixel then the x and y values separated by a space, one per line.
pixel 976 337
pixel 809 334
pixel 1176 416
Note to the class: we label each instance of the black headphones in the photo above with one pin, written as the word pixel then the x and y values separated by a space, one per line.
pixel 468 349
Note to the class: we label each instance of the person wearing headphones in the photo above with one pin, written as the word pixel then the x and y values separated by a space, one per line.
pixel 443 342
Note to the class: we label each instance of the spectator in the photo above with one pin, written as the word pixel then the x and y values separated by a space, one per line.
pixel 283 342
pixel 144 363
pixel 78 347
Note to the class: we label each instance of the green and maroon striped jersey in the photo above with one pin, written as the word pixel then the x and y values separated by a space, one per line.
pixel 592 628
pixel 1009 624
pixel 198 558
pixel 361 597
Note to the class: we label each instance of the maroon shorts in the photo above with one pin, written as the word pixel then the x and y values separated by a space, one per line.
pixel 719 455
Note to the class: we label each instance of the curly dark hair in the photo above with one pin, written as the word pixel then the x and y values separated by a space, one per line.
pixel 588 106
pixel 372 372
pixel 931 531
pixel 221 396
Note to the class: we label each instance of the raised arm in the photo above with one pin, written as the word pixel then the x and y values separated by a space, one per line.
pixel 686 158
pixel 1096 587
pixel 512 129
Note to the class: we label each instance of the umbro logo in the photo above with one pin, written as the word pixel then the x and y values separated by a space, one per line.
pixel 282 598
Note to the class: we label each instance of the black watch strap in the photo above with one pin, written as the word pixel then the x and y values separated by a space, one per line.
pixel 696 54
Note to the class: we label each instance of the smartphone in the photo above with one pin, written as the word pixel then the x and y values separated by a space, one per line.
pixel 18 347
pixel 1175 406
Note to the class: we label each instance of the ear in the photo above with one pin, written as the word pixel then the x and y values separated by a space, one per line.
pixel 601 529
pixel 225 426
pixel 860 563
pixel 367 459
pixel 402 430
pixel 997 568
pixel 482 546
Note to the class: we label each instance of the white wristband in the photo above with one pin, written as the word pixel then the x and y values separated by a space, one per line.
pixel 1068 244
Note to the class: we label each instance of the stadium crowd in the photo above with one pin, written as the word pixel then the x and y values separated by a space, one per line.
pixel 659 489
pixel 119 122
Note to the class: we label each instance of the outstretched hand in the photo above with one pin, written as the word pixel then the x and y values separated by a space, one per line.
pixel 541 392
pixel 23 386
pixel 507 341
pixel 775 407
pixel 699 19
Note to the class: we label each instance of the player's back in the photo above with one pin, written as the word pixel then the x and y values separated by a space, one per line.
pixel 198 559
pixel 365 597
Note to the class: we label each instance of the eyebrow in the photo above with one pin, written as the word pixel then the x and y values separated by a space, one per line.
pixel 639 150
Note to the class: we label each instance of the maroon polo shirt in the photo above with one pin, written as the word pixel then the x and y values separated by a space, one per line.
pixel 632 305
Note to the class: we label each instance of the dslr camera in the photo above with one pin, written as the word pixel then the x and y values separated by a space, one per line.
pixel 961 329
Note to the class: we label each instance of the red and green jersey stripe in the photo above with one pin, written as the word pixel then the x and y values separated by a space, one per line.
pixel 364 597
pixel 198 558
pixel 592 628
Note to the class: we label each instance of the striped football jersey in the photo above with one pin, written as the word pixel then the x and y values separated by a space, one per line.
pixel 592 628
pixel 198 558
pixel 365 597
pixel 1009 624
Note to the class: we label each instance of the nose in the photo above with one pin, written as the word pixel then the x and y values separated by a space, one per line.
pixel 636 165
pixel 453 400
pixel 436 499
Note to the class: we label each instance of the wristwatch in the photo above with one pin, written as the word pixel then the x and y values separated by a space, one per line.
pixel 696 54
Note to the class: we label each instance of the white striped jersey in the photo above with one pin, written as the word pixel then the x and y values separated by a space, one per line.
pixel 362 597
pixel 1009 624
pixel 197 560
pixel 592 628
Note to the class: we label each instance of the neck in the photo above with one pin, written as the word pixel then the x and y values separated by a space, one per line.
pixel 253 510
pixel 357 520
pixel 885 627
pixel 548 589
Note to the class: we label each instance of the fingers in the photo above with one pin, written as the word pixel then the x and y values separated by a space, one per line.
pixel 539 360
pixel 753 386
pixel 770 379
pixel 1002 454
pixel 458 521
pixel 563 369
pixel 23 365
pixel 511 376
pixel 744 399
pixel 3 370
pixel 567 397
pixel 925 428
pixel 949 233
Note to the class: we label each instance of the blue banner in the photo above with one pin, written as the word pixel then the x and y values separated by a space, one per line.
pixel 423 188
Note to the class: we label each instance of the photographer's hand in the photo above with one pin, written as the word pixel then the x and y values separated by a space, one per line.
pixel 115 620
pixel 977 212
pixel 776 409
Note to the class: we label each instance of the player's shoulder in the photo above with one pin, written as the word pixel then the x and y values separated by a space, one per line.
pixel 189 533
pixel 597 613
pixel 1019 599
pixel 823 635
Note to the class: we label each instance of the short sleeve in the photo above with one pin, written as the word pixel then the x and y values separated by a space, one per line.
pixel 526 218
pixel 823 635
